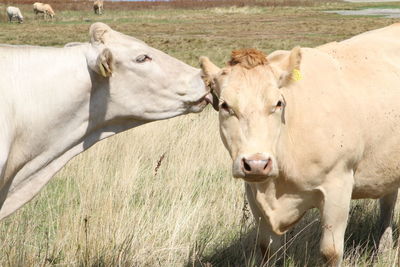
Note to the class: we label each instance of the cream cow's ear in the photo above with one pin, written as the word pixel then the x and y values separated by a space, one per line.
pixel 209 69
pixel 105 63
pixel 99 33
pixel 210 73
pixel 288 66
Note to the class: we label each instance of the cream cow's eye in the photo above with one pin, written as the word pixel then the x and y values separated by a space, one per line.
pixel 225 107
pixel 143 58
pixel 278 106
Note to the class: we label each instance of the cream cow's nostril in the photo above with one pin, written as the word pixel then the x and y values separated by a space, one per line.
pixel 256 165
pixel 246 165
pixel 268 162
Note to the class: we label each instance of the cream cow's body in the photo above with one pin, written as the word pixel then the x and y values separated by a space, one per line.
pixel 57 102
pixel 45 9
pixel 314 127
pixel 98 7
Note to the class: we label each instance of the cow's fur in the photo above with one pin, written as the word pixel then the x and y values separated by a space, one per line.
pixel 248 58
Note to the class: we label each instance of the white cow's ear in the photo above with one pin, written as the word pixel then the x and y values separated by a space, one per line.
pixel 105 63
pixel 288 66
pixel 99 33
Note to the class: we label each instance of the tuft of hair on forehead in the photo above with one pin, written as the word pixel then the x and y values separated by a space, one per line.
pixel 248 58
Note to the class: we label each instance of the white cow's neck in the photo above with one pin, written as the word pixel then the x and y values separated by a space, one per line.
pixel 51 110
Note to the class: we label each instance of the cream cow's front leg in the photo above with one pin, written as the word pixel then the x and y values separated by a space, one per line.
pixel 334 209
pixel 387 204
pixel 269 242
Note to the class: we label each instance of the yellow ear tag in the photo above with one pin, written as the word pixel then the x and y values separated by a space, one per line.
pixel 102 70
pixel 296 75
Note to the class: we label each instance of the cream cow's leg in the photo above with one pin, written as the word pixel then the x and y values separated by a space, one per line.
pixel 387 204
pixel 268 242
pixel 335 208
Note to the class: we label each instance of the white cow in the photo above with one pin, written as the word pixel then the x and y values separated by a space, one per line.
pixel 57 102
pixel 14 13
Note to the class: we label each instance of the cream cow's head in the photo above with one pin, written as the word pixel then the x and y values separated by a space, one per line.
pixel 252 108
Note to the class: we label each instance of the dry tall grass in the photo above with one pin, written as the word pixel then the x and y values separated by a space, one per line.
pixel 162 194
pixel 110 207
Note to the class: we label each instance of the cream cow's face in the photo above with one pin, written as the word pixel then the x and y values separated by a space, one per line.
pixel 145 83
pixel 251 111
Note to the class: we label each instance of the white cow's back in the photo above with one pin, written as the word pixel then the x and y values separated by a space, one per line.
pixel 37 84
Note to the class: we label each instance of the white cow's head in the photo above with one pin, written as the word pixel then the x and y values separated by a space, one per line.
pixel 144 83
pixel 251 108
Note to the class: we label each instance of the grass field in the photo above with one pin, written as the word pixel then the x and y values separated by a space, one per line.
pixel 112 206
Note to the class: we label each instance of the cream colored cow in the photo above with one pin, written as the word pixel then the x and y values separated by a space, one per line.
pixel 98 7
pixel 57 102
pixel 314 127
pixel 44 9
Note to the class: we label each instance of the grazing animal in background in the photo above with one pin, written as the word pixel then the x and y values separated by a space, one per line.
pixel 58 102
pixel 314 128
pixel 14 13
pixel 98 7
pixel 44 9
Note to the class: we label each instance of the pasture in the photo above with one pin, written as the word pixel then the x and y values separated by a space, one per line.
pixel 162 194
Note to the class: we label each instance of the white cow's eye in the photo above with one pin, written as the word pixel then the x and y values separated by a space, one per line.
pixel 143 58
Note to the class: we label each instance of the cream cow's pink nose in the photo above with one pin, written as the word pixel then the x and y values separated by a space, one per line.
pixel 256 165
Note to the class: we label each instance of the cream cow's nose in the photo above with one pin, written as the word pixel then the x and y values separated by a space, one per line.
pixel 256 165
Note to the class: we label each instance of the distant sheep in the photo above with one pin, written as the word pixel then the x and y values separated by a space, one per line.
pixel 98 7
pixel 45 9
pixel 14 13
